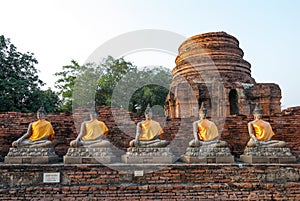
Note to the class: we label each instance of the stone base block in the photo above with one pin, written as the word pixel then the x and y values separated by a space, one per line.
pixel 137 155
pixel 207 154
pixel 267 155
pixel 193 159
pixel 26 155
pixel 31 160
pixel 89 155
pixel 265 159
pixel 144 159
pixel 89 160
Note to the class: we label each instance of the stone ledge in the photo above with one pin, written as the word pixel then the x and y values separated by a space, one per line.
pixel 268 151
pixel 26 155
pixel 177 164
pixel 30 152
pixel 31 160
pixel 268 159
pixel 89 160
pixel 221 159
pixel 267 155
pixel 148 159
pixel 147 155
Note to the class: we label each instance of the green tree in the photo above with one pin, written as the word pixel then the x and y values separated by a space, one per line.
pixel 149 86
pixel 19 82
pixel 113 70
pixel 66 82
pixel 90 84
pixel 48 98
pixel 77 84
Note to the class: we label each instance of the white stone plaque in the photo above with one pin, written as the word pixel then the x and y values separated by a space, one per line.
pixel 51 177
pixel 138 173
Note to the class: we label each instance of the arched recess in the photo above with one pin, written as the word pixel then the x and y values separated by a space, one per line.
pixel 234 102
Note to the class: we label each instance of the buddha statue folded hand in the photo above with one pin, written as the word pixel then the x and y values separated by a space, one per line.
pixel 92 133
pixel 148 133
pixel 205 132
pixel 39 133
pixel 261 132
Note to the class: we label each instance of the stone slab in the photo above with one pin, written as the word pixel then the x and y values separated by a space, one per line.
pixel 148 159
pixel 207 160
pixel 208 154
pixel 148 155
pixel 89 160
pixel 276 155
pixel 90 155
pixel 27 155
pixel 31 160
pixel 265 159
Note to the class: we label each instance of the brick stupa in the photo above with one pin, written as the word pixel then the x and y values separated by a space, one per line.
pixel 210 68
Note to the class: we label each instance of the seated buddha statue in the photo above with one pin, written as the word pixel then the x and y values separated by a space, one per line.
pixel 261 132
pixel 92 133
pixel 148 132
pixel 205 132
pixel 39 133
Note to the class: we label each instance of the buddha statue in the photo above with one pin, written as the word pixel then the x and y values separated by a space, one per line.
pixel 261 132
pixel 205 132
pixel 91 133
pixel 148 132
pixel 39 133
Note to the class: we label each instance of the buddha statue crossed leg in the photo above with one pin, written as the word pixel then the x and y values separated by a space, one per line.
pixel 148 132
pixel 205 132
pixel 39 133
pixel 148 145
pixel 261 132
pixel 92 133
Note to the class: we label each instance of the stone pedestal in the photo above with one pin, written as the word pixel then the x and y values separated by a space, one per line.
pixel 267 155
pixel 31 156
pixel 207 154
pixel 87 155
pixel 142 155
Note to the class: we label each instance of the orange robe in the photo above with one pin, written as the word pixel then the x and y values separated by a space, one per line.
pixel 262 130
pixel 94 130
pixel 41 129
pixel 207 130
pixel 150 130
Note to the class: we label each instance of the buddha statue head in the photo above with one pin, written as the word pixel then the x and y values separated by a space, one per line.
pixel 41 113
pixel 202 111
pixel 148 112
pixel 257 112
pixel 94 114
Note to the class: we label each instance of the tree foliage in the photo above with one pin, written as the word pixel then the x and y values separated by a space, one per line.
pixel 19 83
pixel 113 70
pixel 91 84
pixel 66 82
pixel 78 84
pixel 155 92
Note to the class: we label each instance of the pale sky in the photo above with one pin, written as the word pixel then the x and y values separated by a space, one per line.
pixel 57 31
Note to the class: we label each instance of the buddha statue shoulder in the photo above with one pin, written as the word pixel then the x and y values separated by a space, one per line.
pixel 92 133
pixel 148 132
pixel 261 132
pixel 39 133
pixel 205 132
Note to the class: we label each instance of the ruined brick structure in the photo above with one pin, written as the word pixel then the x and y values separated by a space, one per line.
pixel 210 68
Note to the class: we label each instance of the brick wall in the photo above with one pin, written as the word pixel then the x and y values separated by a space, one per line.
pixel 174 182
pixel 285 125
